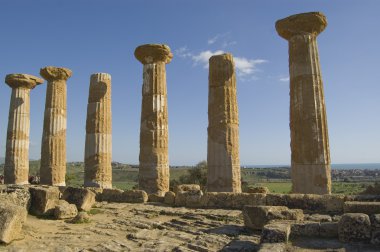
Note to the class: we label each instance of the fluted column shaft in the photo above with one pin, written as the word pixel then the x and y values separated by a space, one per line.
pixel 310 160
pixel 98 149
pixel 223 161
pixel 16 168
pixel 154 162
pixel 53 145
pixel 308 122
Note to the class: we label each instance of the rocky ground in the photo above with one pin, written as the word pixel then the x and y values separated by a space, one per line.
pixel 155 227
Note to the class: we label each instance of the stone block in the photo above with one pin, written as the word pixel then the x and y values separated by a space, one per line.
pixel 64 210
pixel 135 196
pixel 83 198
pixel 295 200
pixel 239 200
pixel 275 199
pixel 218 200
pixel 272 247
pixel 156 198
pixel 328 229
pixel 258 189
pixel 191 198
pixel 169 198
pixel 319 218
pixel 15 194
pixel 354 227
pixel 307 229
pixel 43 199
pixel 275 232
pixel 362 207
pixel 129 196
pixel 111 195
pixel 186 187
pixel 12 218
pixel 255 217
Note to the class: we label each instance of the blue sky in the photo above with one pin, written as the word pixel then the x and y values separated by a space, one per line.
pixel 100 36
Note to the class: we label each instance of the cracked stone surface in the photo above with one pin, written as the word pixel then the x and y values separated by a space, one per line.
pixel 139 227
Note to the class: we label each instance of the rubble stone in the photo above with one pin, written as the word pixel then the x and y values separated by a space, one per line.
pixel 255 217
pixel 275 232
pixel 43 199
pixel 354 227
pixel 64 210
pixel 169 198
pixel 83 198
pixel 362 207
pixel 11 219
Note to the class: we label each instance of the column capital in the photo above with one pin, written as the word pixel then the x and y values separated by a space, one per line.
pixel 152 53
pixel 303 23
pixel 22 80
pixel 52 73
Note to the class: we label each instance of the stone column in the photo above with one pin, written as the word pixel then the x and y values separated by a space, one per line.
pixel 98 150
pixel 53 146
pixel 311 171
pixel 154 163
pixel 223 174
pixel 16 168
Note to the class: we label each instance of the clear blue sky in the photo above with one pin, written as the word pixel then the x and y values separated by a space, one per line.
pixel 100 36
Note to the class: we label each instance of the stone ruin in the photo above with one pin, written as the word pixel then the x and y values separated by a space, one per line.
pixel 310 211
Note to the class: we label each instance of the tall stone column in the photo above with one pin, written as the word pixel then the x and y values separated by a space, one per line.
pixel 223 174
pixel 16 168
pixel 53 146
pixel 98 150
pixel 154 163
pixel 311 171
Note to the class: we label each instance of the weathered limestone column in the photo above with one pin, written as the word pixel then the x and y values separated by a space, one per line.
pixel 154 163
pixel 53 146
pixel 311 171
pixel 98 150
pixel 16 168
pixel 223 162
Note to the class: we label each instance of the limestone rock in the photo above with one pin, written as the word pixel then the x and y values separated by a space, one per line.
pixel 11 219
pixel 51 73
pixel 190 198
pixel 255 217
pixel 362 207
pixel 17 195
pixel 43 199
pixel 307 228
pixel 258 189
pixel 64 210
pixel 169 198
pixel 156 198
pixel 129 196
pixel 272 247
pixel 275 232
pixel 186 187
pixel 354 227
pixel 328 229
pixel 81 217
pixel 319 218
pixel 22 80
pixel 83 198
